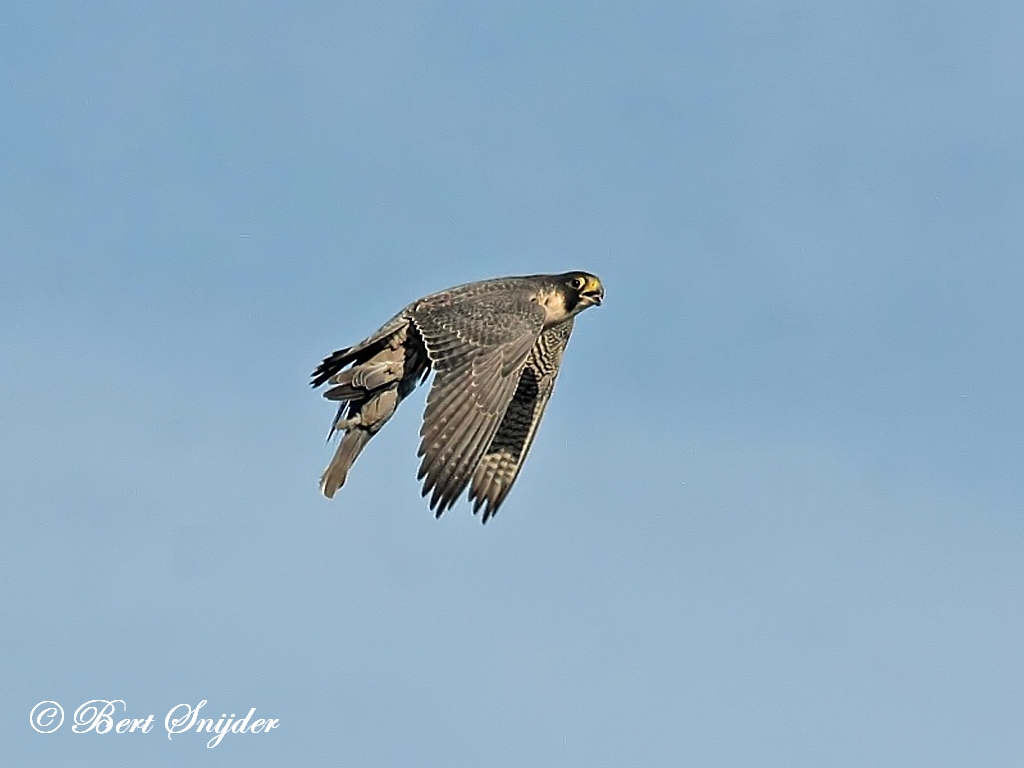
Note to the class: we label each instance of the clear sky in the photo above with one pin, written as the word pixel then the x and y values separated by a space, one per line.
pixel 774 514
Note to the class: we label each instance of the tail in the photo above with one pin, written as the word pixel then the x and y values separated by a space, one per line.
pixel 349 448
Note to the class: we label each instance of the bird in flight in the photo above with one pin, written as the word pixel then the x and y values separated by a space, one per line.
pixel 495 347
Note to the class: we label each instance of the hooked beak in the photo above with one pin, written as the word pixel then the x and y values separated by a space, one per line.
pixel 593 296
pixel 593 291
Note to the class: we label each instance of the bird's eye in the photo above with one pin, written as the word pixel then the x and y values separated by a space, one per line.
pixel 578 283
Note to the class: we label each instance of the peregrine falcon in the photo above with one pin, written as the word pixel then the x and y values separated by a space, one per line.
pixel 495 347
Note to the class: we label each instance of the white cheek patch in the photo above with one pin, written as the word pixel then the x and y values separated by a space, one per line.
pixel 554 308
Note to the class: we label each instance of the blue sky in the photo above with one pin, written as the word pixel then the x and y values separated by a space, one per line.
pixel 774 515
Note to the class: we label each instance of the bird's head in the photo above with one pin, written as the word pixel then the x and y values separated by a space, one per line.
pixel 581 290
pixel 566 295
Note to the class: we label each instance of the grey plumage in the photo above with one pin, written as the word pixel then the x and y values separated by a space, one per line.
pixel 495 348
pixel 500 464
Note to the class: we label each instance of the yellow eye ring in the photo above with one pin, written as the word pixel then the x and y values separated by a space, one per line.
pixel 578 282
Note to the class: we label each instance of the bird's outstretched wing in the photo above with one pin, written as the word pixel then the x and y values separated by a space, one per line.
pixel 500 464
pixel 477 346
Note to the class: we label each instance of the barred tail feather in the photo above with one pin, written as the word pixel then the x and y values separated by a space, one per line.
pixel 349 448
